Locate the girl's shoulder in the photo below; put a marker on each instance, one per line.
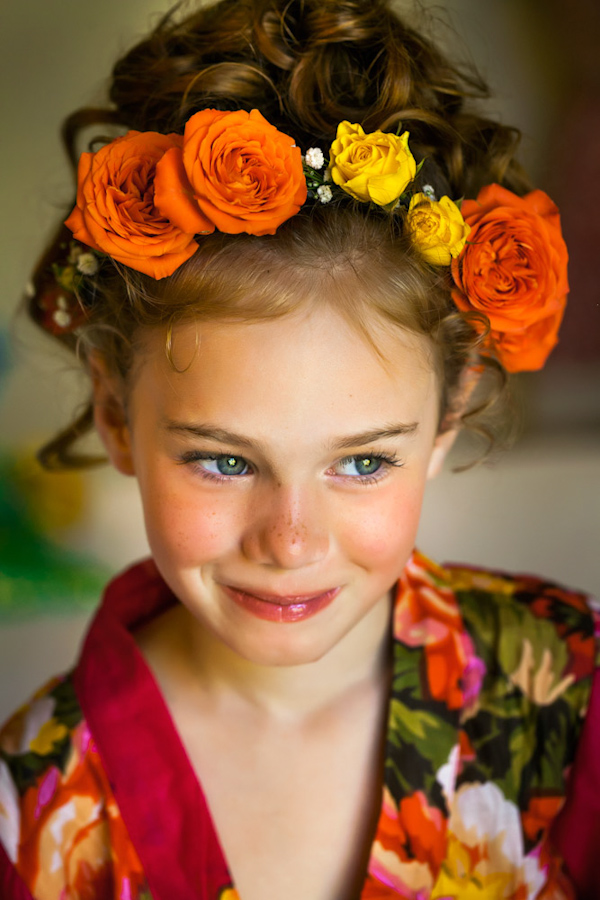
(542, 635)
(495, 695)
(58, 817)
(518, 622)
(505, 663)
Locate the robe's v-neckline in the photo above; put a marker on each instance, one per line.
(156, 788)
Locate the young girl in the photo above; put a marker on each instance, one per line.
(287, 316)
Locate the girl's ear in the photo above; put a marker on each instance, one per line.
(110, 417)
(441, 447)
(452, 424)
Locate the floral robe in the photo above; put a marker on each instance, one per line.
(492, 680)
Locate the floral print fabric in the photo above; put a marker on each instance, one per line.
(491, 680)
(59, 822)
(492, 677)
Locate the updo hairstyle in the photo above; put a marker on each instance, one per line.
(306, 65)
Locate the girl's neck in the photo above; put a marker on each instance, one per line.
(184, 655)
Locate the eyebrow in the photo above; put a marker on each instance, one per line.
(224, 436)
(377, 434)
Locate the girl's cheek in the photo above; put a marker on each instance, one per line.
(189, 526)
(381, 531)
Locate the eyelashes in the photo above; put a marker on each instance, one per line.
(217, 467)
(369, 467)
(362, 468)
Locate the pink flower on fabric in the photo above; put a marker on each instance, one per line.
(473, 672)
(83, 738)
(47, 789)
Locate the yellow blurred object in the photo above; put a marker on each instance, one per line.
(54, 500)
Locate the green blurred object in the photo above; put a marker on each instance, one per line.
(38, 575)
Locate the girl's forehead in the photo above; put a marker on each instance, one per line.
(308, 373)
(313, 331)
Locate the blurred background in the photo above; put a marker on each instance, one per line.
(536, 509)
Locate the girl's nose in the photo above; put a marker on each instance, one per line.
(287, 529)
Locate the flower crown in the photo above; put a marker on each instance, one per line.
(145, 199)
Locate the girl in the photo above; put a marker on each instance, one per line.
(287, 317)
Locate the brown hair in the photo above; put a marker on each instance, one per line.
(306, 65)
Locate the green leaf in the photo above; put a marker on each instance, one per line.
(521, 748)
(67, 710)
(495, 620)
(433, 736)
(407, 679)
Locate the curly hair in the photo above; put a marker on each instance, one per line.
(306, 65)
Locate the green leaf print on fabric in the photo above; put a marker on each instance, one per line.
(47, 731)
(67, 709)
(513, 641)
(421, 742)
(407, 678)
(528, 711)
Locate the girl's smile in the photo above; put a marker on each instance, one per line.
(282, 466)
(276, 608)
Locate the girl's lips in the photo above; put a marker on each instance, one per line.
(275, 608)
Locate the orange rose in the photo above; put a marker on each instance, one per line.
(116, 211)
(527, 350)
(236, 172)
(514, 270)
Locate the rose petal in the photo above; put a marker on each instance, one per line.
(174, 197)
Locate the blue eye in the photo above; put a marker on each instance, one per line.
(363, 465)
(225, 465)
(217, 467)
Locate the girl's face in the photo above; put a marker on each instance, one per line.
(281, 471)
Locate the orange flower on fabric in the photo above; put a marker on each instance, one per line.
(428, 616)
(73, 816)
(514, 270)
(539, 815)
(414, 831)
(408, 850)
(116, 212)
(235, 172)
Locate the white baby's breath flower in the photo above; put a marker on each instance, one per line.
(324, 193)
(428, 191)
(61, 318)
(314, 158)
(87, 264)
(327, 175)
(75, 251)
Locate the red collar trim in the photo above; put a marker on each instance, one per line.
(156, 789)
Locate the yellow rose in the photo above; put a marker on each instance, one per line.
(375, 167)
(437, 228)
